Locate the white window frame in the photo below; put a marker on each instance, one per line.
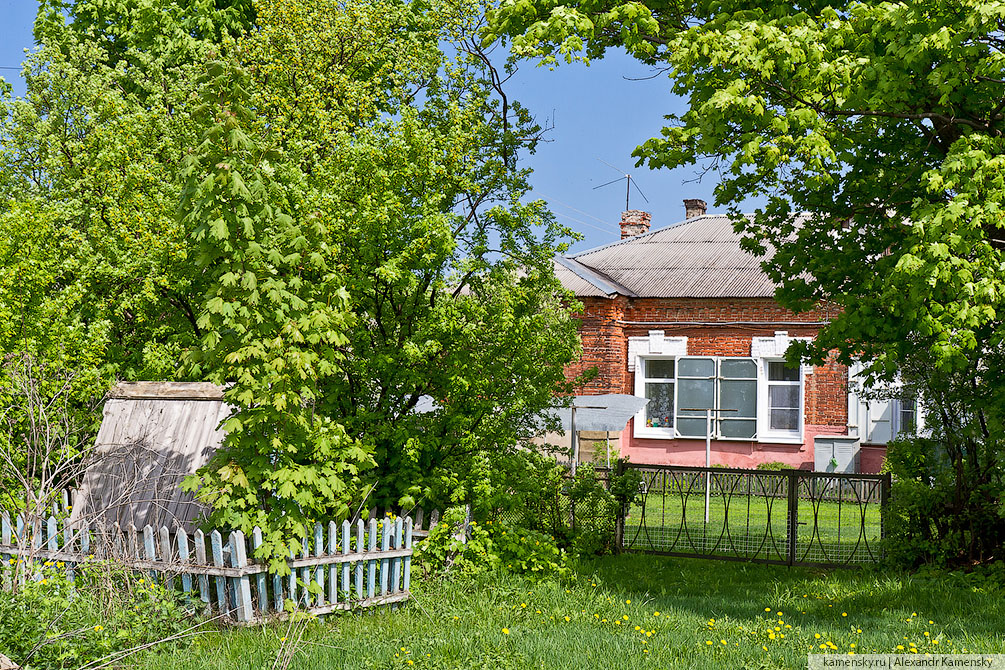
(764, 431)
(640, 429)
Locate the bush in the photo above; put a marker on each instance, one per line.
(774, 465)
(56, 623)
(477, 548)
(939, 514)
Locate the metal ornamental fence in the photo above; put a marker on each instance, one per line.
(786, 517)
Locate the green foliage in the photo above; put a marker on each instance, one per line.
(458, 545)
(55, 623)
(319, 207)
(934, 520)
(774, 465)
(274, 323)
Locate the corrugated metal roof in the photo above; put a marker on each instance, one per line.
(696, 258)
(584, 281)
(152, 435)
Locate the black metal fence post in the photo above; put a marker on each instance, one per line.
(793, 514)
(619, 519)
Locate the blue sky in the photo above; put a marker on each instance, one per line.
(599, 113)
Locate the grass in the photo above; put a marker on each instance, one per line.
(629, 612)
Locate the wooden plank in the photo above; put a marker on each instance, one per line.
(149, 548)
(319, 572)
(181, 537)
(407, 577)
(242, 585)
(371, 568)
(200, 558)
(5, 557)
(216, 547)
(306, 574)
(386, 529)
(132, 544)
(261, 582)
(434, 518)
(346, 549)
(419, 513)
(396, 562)
(293, 578)
(167, 556)
(359, 564)
(167, 390)
(332, 569)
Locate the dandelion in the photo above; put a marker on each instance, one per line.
(816, 635)
(722, 641)
(764, 648)
(568, 619)
(771, 636)
(98, 629)
(282, 639)
(778, 614)
(628, 602)
(708, 642)
(767, 609)
(900, 647)
(625, 617)
(656, 613)
(844, 614)
(410, 662)
(505, 631)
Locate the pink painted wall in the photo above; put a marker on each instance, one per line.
(731, 453)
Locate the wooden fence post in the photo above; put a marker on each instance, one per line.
(319, 571)
(166, 556)
(200, 558)
(407, 577)
(371, 571)
(261, 585)
(396, 563)
(184, 559)
(242, 584)
(216, 546)
(332, 569)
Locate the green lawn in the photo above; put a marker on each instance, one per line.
(632, 612)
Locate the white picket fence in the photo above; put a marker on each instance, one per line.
(354, 565)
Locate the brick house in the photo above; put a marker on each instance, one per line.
(684, 317)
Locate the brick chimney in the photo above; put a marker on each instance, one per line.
(694, 207)
(634, 222)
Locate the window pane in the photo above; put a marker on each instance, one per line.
(737, 428)
(738, 368)
(783, 396)
(696, 367)
(738, 395)
(691, 427)
(657, 369)
(659, 411)
(695, 394)
(781, 372)
(784, 419)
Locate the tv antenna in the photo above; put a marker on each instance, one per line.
(628, 187)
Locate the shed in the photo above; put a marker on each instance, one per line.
(152, 435)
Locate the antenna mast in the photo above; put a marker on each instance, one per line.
(628, 186)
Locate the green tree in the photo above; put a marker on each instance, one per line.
(881, 125)
(322, 212)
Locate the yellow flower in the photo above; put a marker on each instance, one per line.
(505, 631)
(656, 613)
(844, 614)
(99, 628)
(722, 641)
(567, 619)
(625, 617)
(282, 639)
(628, 602)
(410, 662)
(708, 642)
(767, 609)
(900, 647)
(816, 635)
(764, 648)
(771, 636)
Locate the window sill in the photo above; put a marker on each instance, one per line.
(786, 438)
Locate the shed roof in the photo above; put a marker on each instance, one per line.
(696, 258)
(152, 435)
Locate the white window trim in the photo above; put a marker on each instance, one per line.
(640, 428)
(763, 435)
(764, 432)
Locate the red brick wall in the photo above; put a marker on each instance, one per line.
(608, 323)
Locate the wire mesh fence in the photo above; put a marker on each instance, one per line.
(785, 516)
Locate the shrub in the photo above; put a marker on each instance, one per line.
(57, 623)
(774, 465)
